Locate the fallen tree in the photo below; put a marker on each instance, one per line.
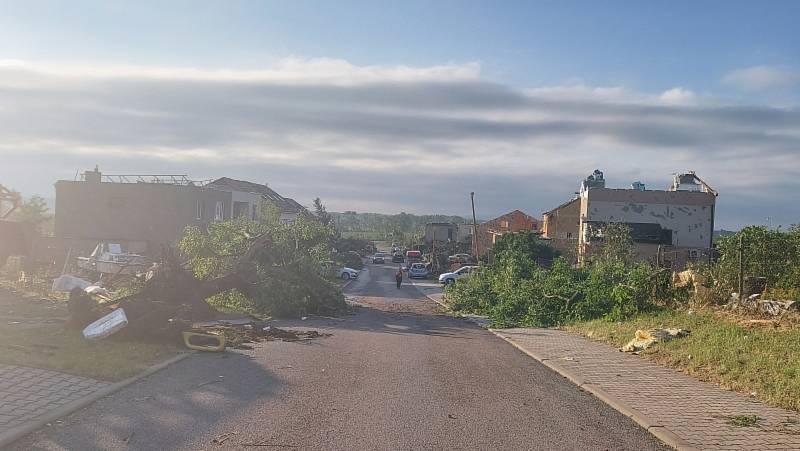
(265, 268)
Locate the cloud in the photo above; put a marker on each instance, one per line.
(287, 70)
(612, 94)
(762, 78)
(678, 96)
(387, 137)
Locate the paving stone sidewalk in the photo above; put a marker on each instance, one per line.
(668, 403)
(28, 393)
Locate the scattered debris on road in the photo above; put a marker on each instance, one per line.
(237, 336)
(644, 339)
(220, 439)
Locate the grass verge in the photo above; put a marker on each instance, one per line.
(32, 333)
(66, 350)
(759, 361)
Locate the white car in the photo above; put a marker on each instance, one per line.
(348, 273)
(451, 277)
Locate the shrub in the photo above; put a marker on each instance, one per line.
(515, 290)
(773, 254)
(351, 260)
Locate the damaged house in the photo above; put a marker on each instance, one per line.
(144, 212)
(512, 222)
(670, 227)
(447, 232)
(248, 197)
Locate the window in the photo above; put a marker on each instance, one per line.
(569, 235)
(218, 211)
(241, 209)
(199, 210)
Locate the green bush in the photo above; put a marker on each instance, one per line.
(774, 254)
(515, 290)
(351, 260)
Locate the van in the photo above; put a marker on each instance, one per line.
(413, 256)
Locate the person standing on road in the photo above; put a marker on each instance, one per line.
(399, 276)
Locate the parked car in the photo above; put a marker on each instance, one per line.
(379, 258)
(418, 271)
(398, 258)
(459, 258)
(348, 273)
(414, 256)
(451, 277)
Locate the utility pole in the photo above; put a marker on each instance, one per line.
(741, 267)
(474, 225)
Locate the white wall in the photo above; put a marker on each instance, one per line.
(690, 224)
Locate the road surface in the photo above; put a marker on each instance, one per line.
(397, 374)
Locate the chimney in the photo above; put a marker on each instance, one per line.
(93, 176)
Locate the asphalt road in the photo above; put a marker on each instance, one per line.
(395, 375)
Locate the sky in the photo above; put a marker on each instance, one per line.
(409, 106)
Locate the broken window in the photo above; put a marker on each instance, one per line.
(648, 233)
(240, 209)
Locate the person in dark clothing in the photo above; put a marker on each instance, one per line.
(399, 277)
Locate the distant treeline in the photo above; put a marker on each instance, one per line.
(350, 221)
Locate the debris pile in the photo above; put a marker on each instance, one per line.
(695, 281)
(754, 304)
(238, 336)
(644, 339)
(169, 303)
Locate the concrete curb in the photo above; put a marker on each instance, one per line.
(659, 431)
(14, 434)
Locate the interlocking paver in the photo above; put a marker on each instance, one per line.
(28, 393)
(695, 411)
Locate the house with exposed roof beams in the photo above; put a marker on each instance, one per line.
(247, 199)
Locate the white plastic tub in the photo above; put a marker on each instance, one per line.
(106, 326)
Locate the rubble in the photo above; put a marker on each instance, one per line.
(238, 336)
(67, 283)
(644, 339)
(172, 300)
(755, 304)
(694, 280)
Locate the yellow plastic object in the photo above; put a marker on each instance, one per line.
(187, 340)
